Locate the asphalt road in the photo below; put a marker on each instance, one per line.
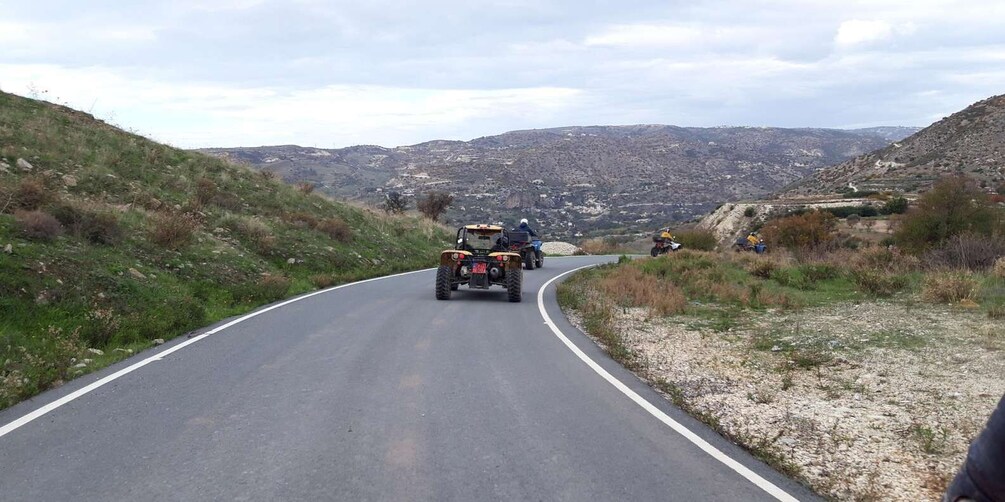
(374, 391)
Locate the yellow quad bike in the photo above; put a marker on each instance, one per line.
(481, 259)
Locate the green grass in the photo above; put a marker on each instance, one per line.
(63, 296)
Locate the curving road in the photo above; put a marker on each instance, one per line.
(375, 391)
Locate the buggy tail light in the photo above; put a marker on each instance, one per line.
(454, 256)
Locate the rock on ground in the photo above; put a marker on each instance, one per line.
(559, 248)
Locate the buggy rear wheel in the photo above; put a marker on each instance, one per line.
(528, 261)
(443, 282)
(655, 251)
(514, 285)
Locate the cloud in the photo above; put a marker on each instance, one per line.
(338, 72)
(856, 32)
(645, 35)
(334, 114)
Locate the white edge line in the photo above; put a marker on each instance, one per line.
(714, 452)
(20, 422)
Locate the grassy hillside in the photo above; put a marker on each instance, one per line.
(110, 241)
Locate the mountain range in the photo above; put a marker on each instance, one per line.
(574, 180)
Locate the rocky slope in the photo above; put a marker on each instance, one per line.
(575, 180)
(970, 142)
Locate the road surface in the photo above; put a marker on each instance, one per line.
(375, 391)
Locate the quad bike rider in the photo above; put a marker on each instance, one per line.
(752, 242)
(663, 243)
(482, 258)
(524, 240)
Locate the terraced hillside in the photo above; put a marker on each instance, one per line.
(575, 179)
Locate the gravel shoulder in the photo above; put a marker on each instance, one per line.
(885, 411)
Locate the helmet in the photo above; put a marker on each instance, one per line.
(523, 221)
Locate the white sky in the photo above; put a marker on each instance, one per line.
(335, 73)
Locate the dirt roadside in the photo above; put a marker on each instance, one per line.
(886, 413)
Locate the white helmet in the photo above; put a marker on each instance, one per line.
(523, 221)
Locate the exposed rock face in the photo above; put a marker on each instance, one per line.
(970, 142)
(730, 221)
(573, 179)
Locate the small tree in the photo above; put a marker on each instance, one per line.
(896, 205)
(434, 204)
(953, 206)
(395, 203)
(801, 231)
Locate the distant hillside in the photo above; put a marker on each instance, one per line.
(888, 133)
(970, 142)
(110, 242)
(574, 179)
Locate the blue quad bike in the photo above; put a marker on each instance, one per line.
(528, 247)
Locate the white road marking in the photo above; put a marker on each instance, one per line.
(20, 422)
(751, 476)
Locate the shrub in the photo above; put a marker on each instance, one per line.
(791, 277)
(949, 287)
(846, 211)
(394, 203)
(999, 268)
(32, 193)
(819, 271)
(205, 191)
(268, 175)
(878, 283)
(967, 251)
(305, 187)
(301, 219)
(853, 219)
(896, 205)
(227, 200)
(322, 281)
(801, 231)
(749, 212)
(761, 267)
(37, 225)
(91, 224)
(702, 240)
(269, 288)
(336, 228)
(252, 230)
(434, 204)
(600, 246)
(172, 230)
(884, 259)
(953, 206)
(996, 311)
